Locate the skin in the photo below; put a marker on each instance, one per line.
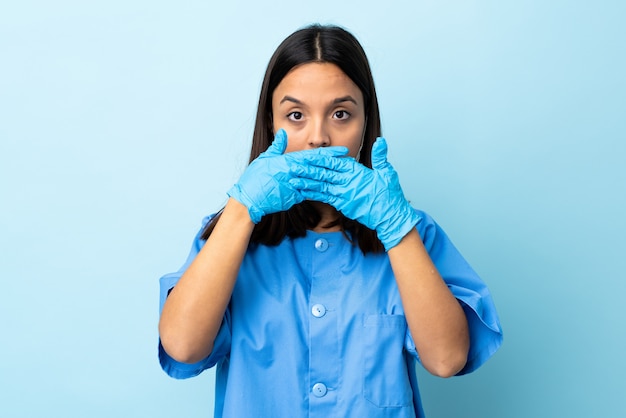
(317, 105)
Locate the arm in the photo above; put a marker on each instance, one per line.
(436, 320)
(193, 312)
(374, 198)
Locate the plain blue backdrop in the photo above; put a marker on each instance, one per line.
(123, 123)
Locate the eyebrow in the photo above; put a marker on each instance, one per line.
(336, 101)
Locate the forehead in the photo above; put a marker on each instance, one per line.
(318, 79)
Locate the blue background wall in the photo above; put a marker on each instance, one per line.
(122, 123)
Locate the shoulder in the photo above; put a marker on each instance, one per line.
(433, 236)
(425, 217)
(427, 223)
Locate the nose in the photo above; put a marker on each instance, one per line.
(318, 136)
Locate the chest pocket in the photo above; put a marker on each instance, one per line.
(385, 377)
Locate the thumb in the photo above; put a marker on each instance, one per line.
(379, 153)
(279, 145)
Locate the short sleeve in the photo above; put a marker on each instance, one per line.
(221, 345)
(474, 296)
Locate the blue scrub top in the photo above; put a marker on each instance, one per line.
(315, 328)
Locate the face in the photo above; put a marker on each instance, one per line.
(319, 106)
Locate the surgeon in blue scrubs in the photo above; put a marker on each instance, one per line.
(318, 287)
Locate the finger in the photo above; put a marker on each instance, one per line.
(318, 196)
(338, 164)
(321, 174)
(279, 145)
(335, 151)
(379, 153)
(311, 185)
(325, 152)
(320, 191)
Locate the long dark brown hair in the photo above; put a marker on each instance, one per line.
(323, 44)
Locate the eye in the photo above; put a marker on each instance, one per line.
(295, 116)
(341, 115)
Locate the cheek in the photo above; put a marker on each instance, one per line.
(352, 141)
(349, 137)
(295, 140)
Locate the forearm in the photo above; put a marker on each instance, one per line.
(194, 310)
(436, 319)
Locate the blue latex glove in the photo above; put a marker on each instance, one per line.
(372, 197)
(264, 186)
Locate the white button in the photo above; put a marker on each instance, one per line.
(318, 310)
(319, 390)
(321, 245)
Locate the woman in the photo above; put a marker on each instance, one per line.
(317, 287)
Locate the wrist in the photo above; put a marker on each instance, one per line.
(238, 211)
(392, 232)
(237, 194)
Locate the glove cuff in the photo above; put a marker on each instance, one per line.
(392, 234)
(240, 196)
